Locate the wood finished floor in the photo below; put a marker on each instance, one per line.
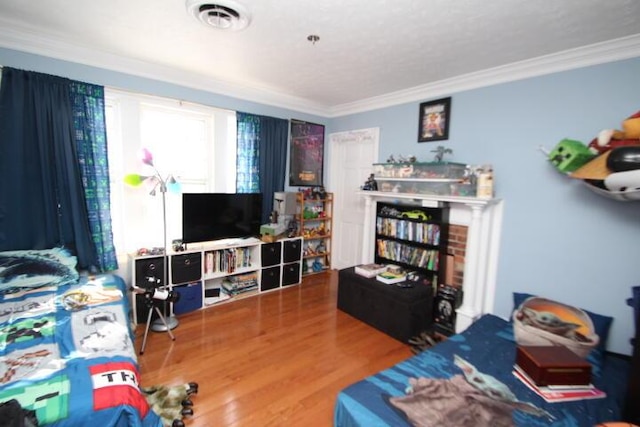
(276, 359)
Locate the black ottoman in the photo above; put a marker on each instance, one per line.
(399, 312)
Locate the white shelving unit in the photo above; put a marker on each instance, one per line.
(214, 272)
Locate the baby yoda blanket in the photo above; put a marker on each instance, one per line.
(467, 380)
(66, 350)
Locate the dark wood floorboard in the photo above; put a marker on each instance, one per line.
(278, 358)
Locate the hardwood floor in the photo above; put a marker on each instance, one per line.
(279, 358)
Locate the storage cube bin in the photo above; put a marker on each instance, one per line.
(190, 298)
(441, 187)
(427, 170)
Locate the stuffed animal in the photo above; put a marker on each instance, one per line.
(171, 403)
(611, 138)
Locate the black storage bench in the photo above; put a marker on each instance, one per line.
(399, 312)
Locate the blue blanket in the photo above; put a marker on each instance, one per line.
(66, 351)
(489, 346)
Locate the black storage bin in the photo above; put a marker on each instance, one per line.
(142, 310)
(270, 254)
(399, 312)
(186, 268)
(270, 278)
(291, 274)
(292, 250)
(149, 272)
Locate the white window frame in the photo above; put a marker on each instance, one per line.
(137, 216)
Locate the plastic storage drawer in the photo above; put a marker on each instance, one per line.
(190, 298)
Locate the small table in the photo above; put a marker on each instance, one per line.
(399, 312)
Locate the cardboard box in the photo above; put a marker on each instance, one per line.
(553, 365)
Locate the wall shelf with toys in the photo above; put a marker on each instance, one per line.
(314, 214)
(609, 165)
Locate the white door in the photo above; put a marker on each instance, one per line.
(351, 155)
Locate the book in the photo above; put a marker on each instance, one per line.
(555, 394)
(391, 278)
(370, 270)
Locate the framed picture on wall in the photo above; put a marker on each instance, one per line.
(434, 119)
(307, 154)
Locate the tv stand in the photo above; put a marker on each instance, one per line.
(219, 271)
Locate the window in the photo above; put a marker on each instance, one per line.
(194, 143)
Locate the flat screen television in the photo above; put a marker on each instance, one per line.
(214, 216)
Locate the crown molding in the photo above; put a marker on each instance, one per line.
(599, 53)
(30, 42)
(614, 50)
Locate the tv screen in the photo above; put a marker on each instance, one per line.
(214, 216)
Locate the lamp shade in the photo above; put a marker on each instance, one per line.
(134, 179)
(146, 157)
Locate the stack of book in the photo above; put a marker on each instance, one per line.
(370, 270)
(392, 276)
(559, 393)
(555, 373)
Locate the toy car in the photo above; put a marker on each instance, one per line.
(415, 214)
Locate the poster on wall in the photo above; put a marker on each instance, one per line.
(307, 153)
(435, 116)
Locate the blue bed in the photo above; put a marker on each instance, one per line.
(490, 347)
(66, 349)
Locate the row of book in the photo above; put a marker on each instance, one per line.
(407, 254)
(408, 230)
(226, 260)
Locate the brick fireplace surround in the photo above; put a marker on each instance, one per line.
(474, 240)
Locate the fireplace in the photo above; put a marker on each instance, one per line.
(477, 220)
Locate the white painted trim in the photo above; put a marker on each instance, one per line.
(483, 218)
(599, 53)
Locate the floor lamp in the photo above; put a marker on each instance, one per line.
(158, 183)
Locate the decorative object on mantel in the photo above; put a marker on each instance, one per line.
(431, 178)
(440, 152)
(609, 165)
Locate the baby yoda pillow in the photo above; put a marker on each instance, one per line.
(540, 321)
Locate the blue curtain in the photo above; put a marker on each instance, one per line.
(261, 157)
(91, 143)
(248, 139)
(42, 196)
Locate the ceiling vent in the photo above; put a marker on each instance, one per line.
(223, 14)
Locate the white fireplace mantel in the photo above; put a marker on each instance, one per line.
(483, 217)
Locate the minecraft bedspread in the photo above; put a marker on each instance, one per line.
(66, 351)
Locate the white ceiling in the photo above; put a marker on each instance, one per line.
(370, 52)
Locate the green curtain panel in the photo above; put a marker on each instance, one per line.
(261, 157)
(91, 143)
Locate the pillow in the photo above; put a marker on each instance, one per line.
(36, 268)
(601, 325)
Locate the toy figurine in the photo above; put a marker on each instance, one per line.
(440, 152)
(370, 184)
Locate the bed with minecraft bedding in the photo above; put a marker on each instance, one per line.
(467, 380)
(66, 347)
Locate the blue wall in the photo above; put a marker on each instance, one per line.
(559, 239)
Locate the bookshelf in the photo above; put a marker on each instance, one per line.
(314, 216)
(414, 237)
